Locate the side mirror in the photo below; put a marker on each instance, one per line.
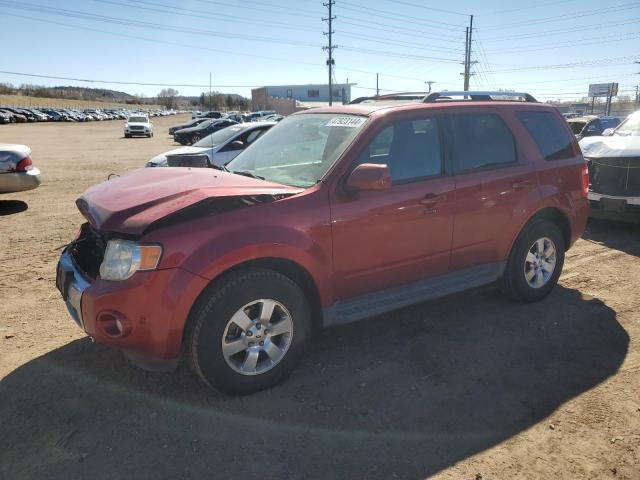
(608, 132)
(369, 176)
(236, 145)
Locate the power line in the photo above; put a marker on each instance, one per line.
(197, 13)
(562, 31)
(531, 7)
(149, 25)
(562, 18)
(585, 63)
(552, 46)
(199, 47)
(121, 82)
(428, 8)
(387, 15)
(409, 32)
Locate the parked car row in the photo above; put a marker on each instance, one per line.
(205, 123)
(261, 115)
(23, 115)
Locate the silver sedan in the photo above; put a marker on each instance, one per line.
(17, 172)
(216, 149)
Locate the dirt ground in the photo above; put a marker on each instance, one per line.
(467, 387)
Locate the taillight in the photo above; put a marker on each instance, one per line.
(585, 181)
(24, 165)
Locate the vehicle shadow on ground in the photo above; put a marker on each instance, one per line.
(406, 394)
(617, 235)
(9, 207)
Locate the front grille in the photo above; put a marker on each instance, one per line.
(87, 251)
(619, 176)
(136, 127)
(187, 160)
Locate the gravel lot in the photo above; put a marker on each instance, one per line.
(468, 387)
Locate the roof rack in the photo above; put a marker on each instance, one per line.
(479, 96)
(400, 96)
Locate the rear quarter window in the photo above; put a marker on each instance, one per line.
(549, 134)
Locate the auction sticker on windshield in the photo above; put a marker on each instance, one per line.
(352, 122)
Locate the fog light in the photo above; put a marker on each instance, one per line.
(114, 324)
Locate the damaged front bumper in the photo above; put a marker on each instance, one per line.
(71, 284)
(144, 316)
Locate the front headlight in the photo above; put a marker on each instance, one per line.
(123, 258)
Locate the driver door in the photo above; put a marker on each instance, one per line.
(387, 238)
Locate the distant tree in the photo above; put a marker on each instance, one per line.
(167, 97)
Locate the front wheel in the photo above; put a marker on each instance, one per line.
(535, 262)
(249, 333)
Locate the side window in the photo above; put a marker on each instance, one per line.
(253, 135)
(411, 149)
(482, 141)
(549, 134)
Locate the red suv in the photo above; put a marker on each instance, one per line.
(334, 215)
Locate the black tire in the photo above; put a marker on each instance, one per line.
(215, 308)
(514, 283)
(127, 135)
(194, 138)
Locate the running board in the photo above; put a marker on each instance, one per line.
(372, 304)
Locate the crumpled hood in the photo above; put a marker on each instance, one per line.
(130, 203)
(613, 146)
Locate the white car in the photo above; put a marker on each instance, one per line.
(17, 172)
(614, 171)
(138, 125)
(216, 149)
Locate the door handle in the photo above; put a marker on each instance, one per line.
(430, 199)
(520, 184)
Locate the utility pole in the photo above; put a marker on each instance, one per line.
(377, 87)
(429, 82)
(210, 91)
(330, 47)
(467, 56)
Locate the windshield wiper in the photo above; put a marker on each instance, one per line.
(247, 173)
(219, 167)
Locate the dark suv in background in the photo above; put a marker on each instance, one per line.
(334, 215)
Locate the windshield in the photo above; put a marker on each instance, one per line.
(137, 120)
(630, 127)
(219, 137)
(576, 127)
(300, 149)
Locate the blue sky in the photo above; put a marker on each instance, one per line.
(550, 49)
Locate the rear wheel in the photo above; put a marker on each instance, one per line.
(249, 333)
(195, 138)
(535, 262)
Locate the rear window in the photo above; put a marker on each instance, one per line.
(549, 134)
(483, 141)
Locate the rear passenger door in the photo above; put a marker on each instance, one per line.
(493, 180)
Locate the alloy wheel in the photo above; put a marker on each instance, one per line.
(540, 262)
(257, 337)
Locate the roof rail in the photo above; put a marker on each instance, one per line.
(479, 96)
(400, 96)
